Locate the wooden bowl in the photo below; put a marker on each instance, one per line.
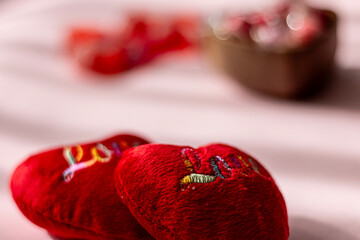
(288, 74)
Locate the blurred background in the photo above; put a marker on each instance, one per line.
(311, 146)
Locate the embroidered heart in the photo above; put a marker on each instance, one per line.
(70, 191)
(213, 192)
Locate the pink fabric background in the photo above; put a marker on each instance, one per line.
(312, 148)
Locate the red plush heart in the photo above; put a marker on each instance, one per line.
(213, 192)
(70, 191)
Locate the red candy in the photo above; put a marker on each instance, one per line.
(141, 41)
(286, 26)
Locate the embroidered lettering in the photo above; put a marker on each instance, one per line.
(220, 167)
(105, 156)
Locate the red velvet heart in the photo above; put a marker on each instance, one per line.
(70, 191)
(213, 192)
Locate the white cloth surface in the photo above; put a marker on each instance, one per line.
(312, 147)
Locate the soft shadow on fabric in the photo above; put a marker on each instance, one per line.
(308, 229)
(343, 92)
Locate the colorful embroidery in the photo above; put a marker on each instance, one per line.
(216, 161)
(96, 156)
(255, 167)
(196, 178)
(235, 161)
(80, 153)
(68, 156)
(116, 149)
(187, 161)
(75, 164)
(240, 164)
(243, 160)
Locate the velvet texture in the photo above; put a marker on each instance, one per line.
(77, 204)
(213, 192)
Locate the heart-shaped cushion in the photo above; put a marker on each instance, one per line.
(213, 192)
(70, 191)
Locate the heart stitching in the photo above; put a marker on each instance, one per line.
(245, 168)
(75, 164)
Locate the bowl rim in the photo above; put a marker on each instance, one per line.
(330, 29)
